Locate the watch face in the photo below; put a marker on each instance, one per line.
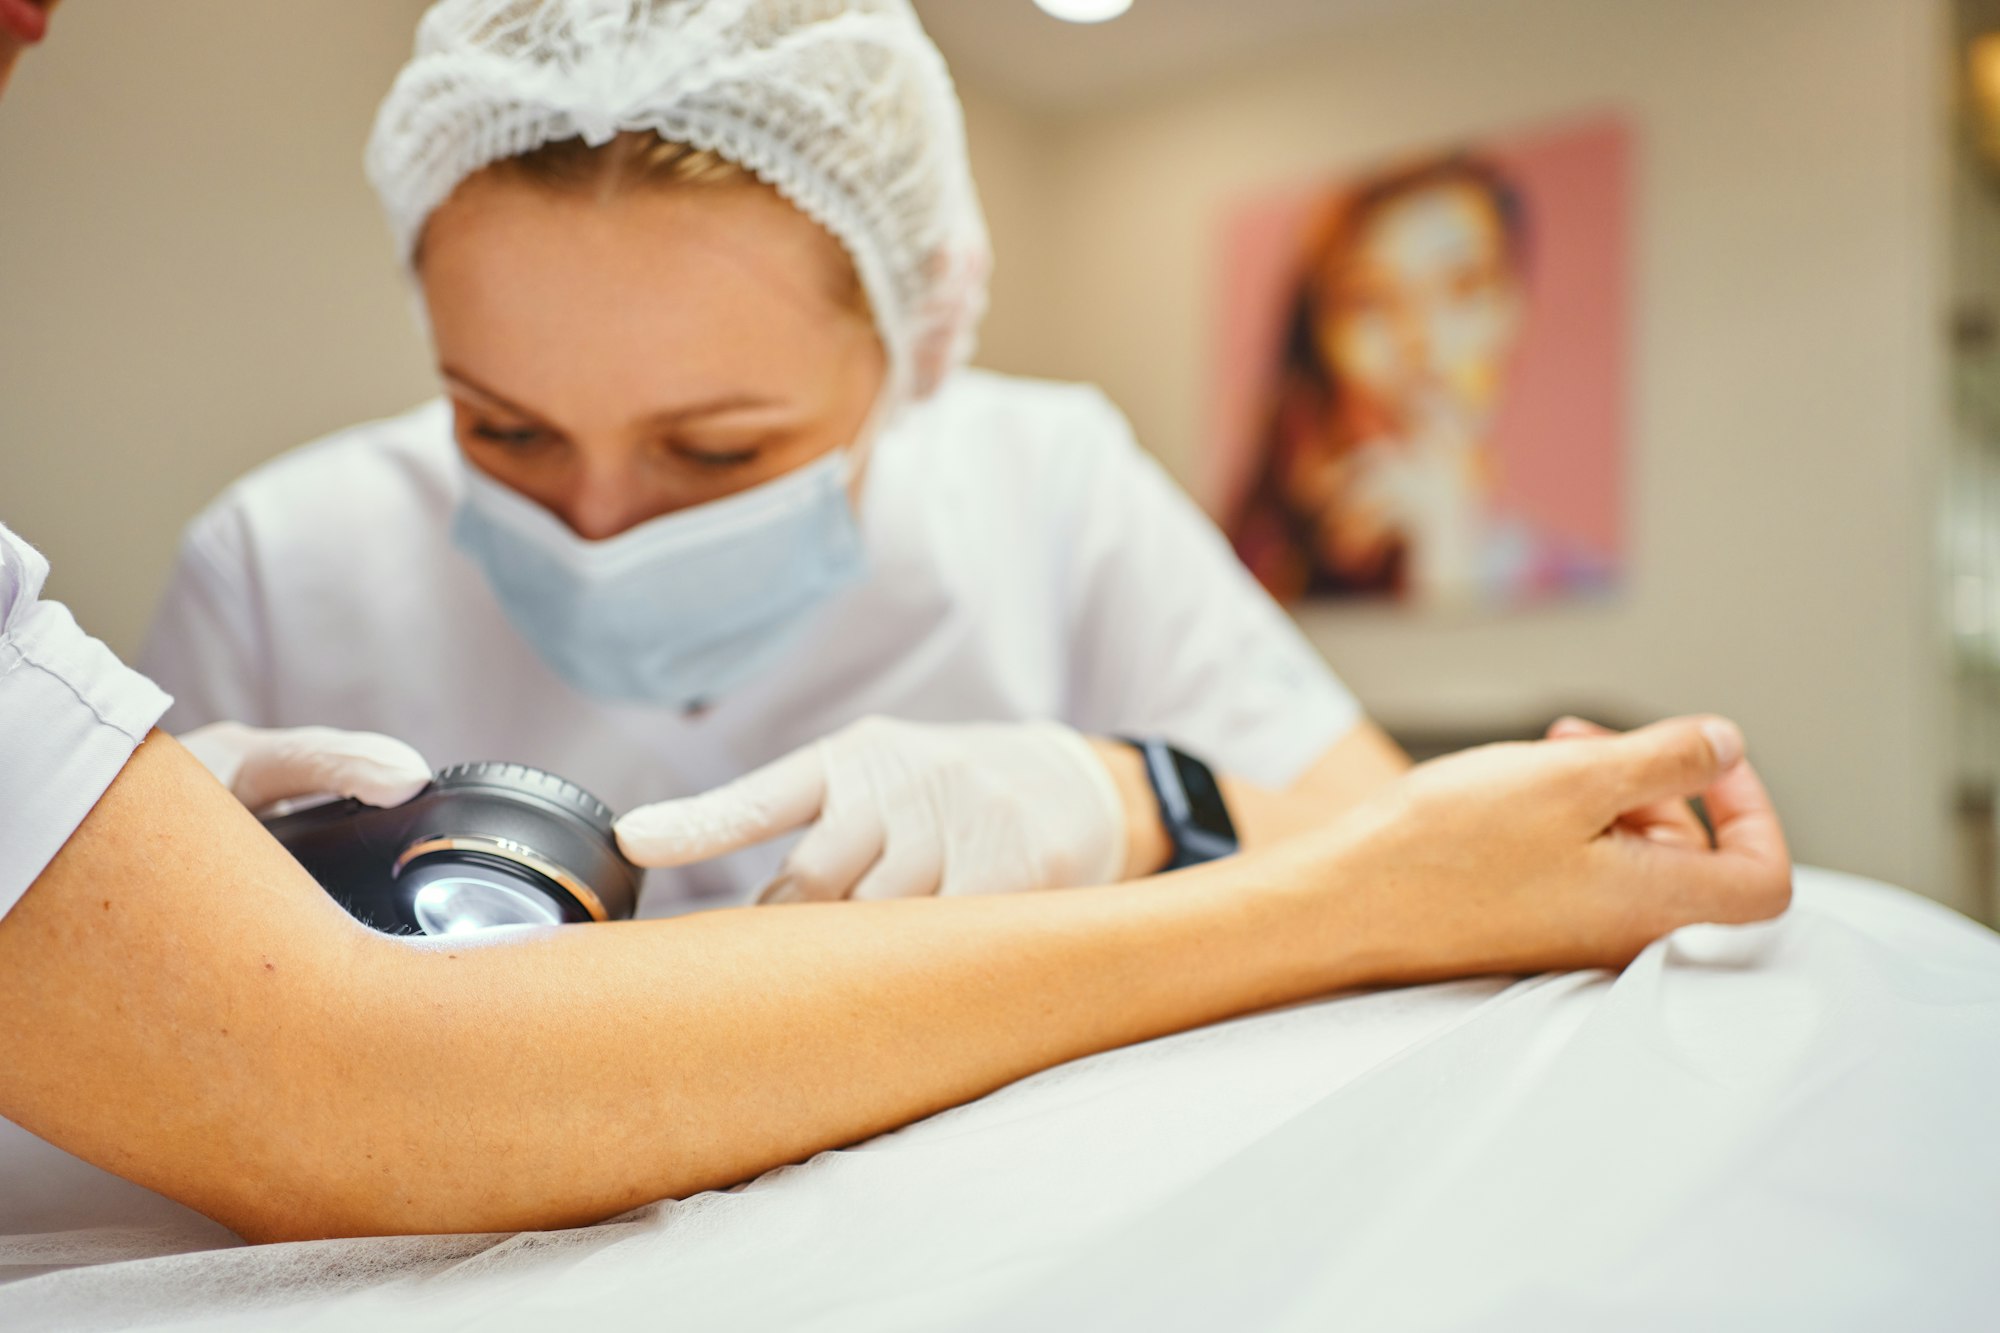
(1206, 810)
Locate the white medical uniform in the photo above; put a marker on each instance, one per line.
(70, 716)
(1026, 560)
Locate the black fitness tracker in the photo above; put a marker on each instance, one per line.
(1191, 805)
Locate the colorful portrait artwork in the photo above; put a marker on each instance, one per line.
(1422, 392)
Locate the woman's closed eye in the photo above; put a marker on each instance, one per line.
(716, 457)
(519, 438)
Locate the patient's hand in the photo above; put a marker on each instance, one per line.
(1572, 852)
(1665, 821)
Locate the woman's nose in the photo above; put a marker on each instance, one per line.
(606, 502)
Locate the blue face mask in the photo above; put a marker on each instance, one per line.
(681, 609)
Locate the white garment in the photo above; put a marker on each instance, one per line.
(1026, 560)
(70, 716)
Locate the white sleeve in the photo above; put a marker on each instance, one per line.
(206, 645)
(1172, 636)
(70, 716)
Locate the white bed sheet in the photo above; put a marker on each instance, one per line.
(1794, 1125)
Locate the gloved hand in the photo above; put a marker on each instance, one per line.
(900, 809)
(261, 766)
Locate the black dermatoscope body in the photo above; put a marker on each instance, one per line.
(485, 844)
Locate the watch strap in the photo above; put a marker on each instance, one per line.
(1192, 809)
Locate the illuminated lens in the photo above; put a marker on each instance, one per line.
(459, 903)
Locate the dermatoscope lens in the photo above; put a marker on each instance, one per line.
(454, 900)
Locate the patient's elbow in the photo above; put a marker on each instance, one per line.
(362, 1204)
(264, 1225)
(316, 1196)
(425, 1211)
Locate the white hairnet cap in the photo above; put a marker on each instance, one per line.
(843, 106)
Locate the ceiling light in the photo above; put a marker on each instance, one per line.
(1084, 11)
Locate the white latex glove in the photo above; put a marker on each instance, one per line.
(261, 766)
(900, 809)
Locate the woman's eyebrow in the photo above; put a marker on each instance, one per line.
(461, 380)
(734, 402)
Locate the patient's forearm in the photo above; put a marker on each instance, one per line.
(180, 1004)
(1352, 769)
(613, 1066)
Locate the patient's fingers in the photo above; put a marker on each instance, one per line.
(1670, 821)
(1667, 760)
(1746, 823)
(1746, 877)
(1569, 727)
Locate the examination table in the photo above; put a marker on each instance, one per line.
(1788, 1125)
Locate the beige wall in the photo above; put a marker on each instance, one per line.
(1011, 160)
(1787, 386)
(192, 277)
(193, 274)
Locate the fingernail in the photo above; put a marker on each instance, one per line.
(1725, 740)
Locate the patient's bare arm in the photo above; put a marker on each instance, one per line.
(182, 1005)
(1352, 769)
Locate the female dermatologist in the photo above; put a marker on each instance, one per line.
(712, 494)
(181, 1004)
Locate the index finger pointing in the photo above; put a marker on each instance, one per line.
(774, 799)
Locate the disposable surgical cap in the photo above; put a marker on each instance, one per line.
(843, 106)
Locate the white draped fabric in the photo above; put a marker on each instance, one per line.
(1793, 1125)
